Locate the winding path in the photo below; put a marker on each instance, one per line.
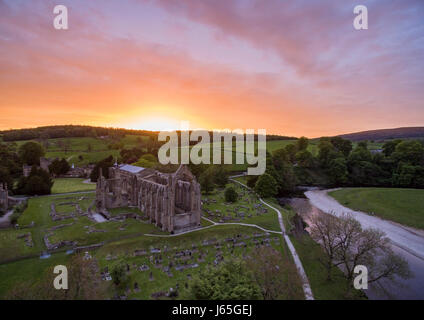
(306, 286)
(5, 219)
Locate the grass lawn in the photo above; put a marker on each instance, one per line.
(215, 208)
(405, 206)
(65, 185)
(309, 253)
(28, 270)
(122, 251)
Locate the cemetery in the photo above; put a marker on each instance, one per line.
(158, 265)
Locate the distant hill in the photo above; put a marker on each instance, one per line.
(386, 134)
(77, 131)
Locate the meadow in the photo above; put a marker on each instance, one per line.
(66, 185)
(404, 206)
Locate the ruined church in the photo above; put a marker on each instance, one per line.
(172, 201)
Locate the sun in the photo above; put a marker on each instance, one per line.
(155, 123)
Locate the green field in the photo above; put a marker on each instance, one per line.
(405, 206)
(310, 254)
(250, 210)
(65, 185)
(85, 150)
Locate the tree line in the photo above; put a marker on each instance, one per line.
(400, 163)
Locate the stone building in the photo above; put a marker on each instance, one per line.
(44, 164)
(172, 201)
(4, 197)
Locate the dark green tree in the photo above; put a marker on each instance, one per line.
(302, 144)
(390, 146)
(338, 171)
(230, 280)
(410, 151)
(104, 164)
(207, 180)
(221, 176)
(230, 194)
(37, 183)
(266, 186)
(31, 152)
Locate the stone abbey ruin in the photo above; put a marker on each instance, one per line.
(172, 201)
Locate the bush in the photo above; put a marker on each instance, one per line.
(266, 186)
(230, 280)
(119, 275)
(251, 181)
(59, 167)
(37, 183)
(230, 194)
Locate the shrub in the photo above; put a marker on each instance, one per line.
(266, 186)
(230, 194)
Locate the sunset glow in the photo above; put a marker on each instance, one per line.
(291, 69)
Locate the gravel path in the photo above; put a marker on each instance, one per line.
(403, 237)
(5, 218)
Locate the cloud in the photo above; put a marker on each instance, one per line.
(96, 73)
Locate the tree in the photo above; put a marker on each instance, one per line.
(279, 158)
(206, 180)
(230, 280)
(291, 151)
(342, 145)
(408, 176)
(327, 153)
(347, 244)
(37, 183)
(230, 194)
(119, 275)
(251, 181)
(390, 146)
(305, 159)
(410, 151)
(104, 164)
(266, 186)
(302, 144)
(221, 176)
(360, 153)
(338, 171)
(5, 177)
(131, 155)
(59, 167)
(276, 275)
(370, 248)
(324, 230)
(31, 152)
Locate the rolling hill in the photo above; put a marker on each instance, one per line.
(386, 134)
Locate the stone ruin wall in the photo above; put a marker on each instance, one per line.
(169, 202)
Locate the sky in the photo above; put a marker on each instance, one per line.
(292, 67)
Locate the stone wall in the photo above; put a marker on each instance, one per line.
(170, 201)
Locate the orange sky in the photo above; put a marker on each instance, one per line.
(150, 64)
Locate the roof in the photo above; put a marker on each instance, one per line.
(130, 168)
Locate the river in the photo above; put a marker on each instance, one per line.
(412, 288)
